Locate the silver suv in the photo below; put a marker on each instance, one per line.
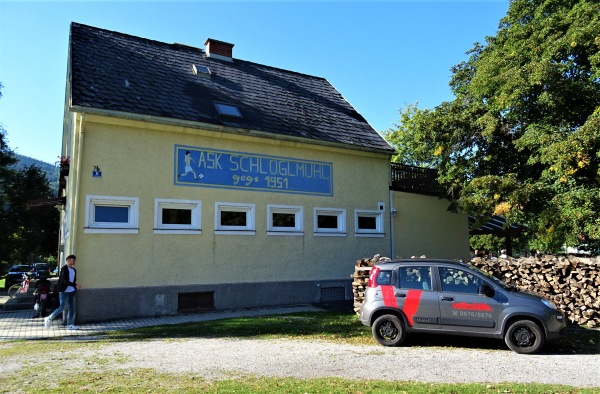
(449, 297)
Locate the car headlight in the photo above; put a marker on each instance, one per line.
(550, 304)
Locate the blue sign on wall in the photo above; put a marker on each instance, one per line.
(196, 166)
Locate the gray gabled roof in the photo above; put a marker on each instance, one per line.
(116, 72)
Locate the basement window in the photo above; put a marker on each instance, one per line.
(194, 302)
(228, 110)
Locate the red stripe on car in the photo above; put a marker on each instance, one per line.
(411, 305)
(389, 296)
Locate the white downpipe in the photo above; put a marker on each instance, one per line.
(392, 210)
(77, 182)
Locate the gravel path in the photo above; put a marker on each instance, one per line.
(217, 358)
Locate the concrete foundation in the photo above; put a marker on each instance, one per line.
(109, 304)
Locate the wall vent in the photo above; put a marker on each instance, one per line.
(335, 293)
(194, 302)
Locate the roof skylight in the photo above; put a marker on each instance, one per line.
(228, 110)
(202, 70)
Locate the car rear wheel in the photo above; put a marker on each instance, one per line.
(524, 337)
(388, 330)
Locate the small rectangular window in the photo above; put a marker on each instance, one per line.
(200, 70)
(108, 214)
(177, 216)
(330, 222)
(228, 110)
(282, 220)
(234, 218)
(368, 223)
(111, 214)
(285, 220)
(327, 221)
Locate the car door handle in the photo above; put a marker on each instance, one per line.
(447, 299)
(400, 295)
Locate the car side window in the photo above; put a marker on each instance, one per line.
(459, 281)
(415, 278)
(384, 278)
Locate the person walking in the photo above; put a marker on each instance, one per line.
(67, 287)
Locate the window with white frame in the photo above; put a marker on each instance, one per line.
(234, 218)
(330, 222)
(108, 214)
(368, 223)
(177, 216)
(285, 220)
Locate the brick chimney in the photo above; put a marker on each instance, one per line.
(219, 49)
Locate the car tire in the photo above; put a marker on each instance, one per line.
(388, 330)
(524, 337)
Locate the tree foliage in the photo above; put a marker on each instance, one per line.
(522, 136)
(7, 158)
(24, 233)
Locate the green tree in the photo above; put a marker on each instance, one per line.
(24, 234)
(7, 159)
(33, 232)
(522, 136)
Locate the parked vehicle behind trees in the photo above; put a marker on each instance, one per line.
(15, 274)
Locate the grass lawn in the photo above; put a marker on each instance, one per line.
(40, 375)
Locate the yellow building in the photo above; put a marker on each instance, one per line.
(194, 180)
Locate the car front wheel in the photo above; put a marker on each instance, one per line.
(388, 330)
(524, 337)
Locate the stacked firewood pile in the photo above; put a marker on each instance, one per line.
(572, 283)
(360, 278)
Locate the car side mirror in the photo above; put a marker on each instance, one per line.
(486, 290)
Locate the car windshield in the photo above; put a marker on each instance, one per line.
(491, 277)
(19, 268)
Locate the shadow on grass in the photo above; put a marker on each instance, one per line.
(577, 340)
(316, 325)
(343, 327)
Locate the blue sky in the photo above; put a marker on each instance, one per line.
(381, 56)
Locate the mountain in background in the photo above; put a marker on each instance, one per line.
(50, 170)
